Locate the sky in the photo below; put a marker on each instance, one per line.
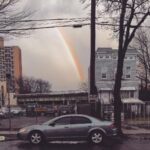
(60, 56)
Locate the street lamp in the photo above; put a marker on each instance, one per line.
(8, 78)
(77, 26)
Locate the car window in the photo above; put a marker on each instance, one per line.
(80, 120)
(63, 121)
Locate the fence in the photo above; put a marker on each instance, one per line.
(132, 114)
(138, 114)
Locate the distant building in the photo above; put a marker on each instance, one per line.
(105, 70)
(10, 68)
(53, 98)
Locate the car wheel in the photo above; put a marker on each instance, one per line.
(36, 137)
(96, 137)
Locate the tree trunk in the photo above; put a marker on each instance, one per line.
(117, 97)
(121, 55)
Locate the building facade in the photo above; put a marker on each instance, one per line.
(105, 71)
(57, 98)
(10, 69)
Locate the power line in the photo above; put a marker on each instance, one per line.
(57, 26)
(43, 20)
(57, 19)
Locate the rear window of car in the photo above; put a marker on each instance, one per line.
(80, 120)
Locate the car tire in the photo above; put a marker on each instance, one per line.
(36, 138)
(96, 137)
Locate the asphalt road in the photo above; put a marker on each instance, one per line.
(127, 144)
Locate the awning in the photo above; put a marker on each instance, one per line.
(105, 89)
(122, 89)
(128, 89)
(132, 101)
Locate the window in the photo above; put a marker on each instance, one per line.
(128, 76)
(63, 121)
(104, 76)
(101, 56)
(80, 120)
(114, 57)
(128, 68)
(127, 94)
(131, 57)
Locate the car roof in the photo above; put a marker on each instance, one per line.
(78, 115)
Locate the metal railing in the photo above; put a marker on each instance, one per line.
(132, 114)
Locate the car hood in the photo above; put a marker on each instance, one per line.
(32, 127)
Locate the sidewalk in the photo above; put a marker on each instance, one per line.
(8, 135)
(135, 131)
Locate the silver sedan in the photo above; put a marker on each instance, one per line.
(69, 127)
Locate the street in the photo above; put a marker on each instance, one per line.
(126, 144)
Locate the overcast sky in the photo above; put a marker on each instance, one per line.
(43, 52)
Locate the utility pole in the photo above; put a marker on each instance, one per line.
(8, 77)
(92, 90)
(92, 59)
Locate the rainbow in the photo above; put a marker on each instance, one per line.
(69, 49)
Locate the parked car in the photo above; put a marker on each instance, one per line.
(30, 110)
(35, 110)
(65, 109)
(69, 127)
(4, 112)
(50, 111)
(17, 111)
(2, 115)
(40, 110)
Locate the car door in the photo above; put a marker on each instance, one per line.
(79, 127)
(59, 129)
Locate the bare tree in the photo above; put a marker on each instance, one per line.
(32, 85)
(83, 86)
(11, 15)
(142, 43)
(126, 17)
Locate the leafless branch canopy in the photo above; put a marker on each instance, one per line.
(10, 15)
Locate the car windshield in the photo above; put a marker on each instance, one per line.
(49, 121)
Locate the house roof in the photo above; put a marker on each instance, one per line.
(110, 50)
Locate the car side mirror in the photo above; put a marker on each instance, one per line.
(52, 124)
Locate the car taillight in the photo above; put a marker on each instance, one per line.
(112, 125)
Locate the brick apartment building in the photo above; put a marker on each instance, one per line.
(10, 69)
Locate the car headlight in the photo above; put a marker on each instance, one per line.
(23, 130)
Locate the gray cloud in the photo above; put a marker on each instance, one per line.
(43, 53)
(55, 8)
